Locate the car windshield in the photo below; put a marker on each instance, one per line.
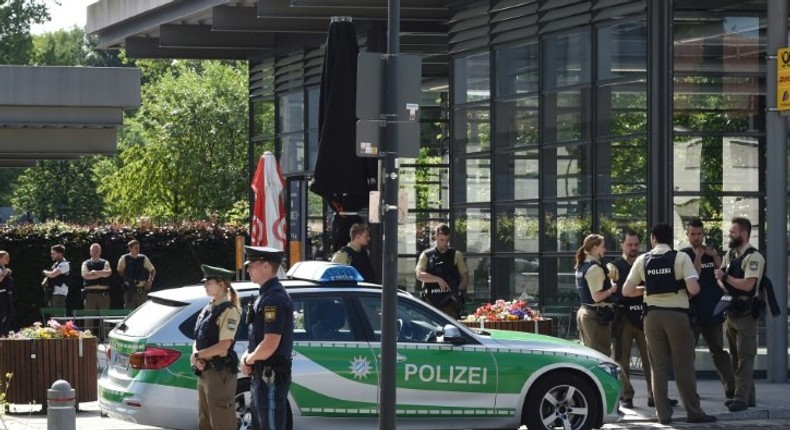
(149, 316)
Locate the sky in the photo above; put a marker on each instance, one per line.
(64, 16)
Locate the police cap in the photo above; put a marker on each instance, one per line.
(263, 253)
(211, 272)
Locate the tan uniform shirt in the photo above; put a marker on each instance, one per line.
(228, 321)
(684, 269)
(341, 257)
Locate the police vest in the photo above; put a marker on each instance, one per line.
(734, 269)
(95, 265)
(57, 280)
(281, 358)
(135, 269)
(443, 266)
(709, 292)
(660, 274)
(360, 260)
(633, 304)
(206, 328)
(583, 288)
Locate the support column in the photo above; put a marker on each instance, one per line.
(659, 105)
(776, 198)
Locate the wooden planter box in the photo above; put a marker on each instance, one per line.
(37, 363)
(537, 326)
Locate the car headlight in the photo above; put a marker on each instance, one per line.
(610, 368)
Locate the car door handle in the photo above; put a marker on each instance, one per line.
(400, 358)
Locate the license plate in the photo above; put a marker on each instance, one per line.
(120, 362)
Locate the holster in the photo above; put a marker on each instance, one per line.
(604, 315)
(757, 308)
(742, 308)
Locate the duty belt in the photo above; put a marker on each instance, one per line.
(661, 308)
(595, 307)
(93, 291)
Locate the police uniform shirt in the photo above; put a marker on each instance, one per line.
(684, 269)
(61, 289)
(228, 320)
(752, 265)
(595, 277)
(275, 309)
(341, 257)
(460, 262)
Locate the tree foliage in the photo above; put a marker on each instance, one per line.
(16, 16)
(184, 153)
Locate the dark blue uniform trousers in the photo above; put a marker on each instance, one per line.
(269, 404)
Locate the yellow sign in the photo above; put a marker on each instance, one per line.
(783, 79)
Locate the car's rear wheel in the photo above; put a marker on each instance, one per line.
(243, 414)
(561, 400)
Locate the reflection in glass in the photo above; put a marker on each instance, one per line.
(625, 52)
(567, 115)
(719, 103)
(562, 290)
(472, 229)
(416, 233)
(516, 175)
(622, 166)
(471, 78)
(472, 180)
(716, 163)
(479, 287)
(518, 228)
(472, 128)
(517, 278)
(517, 122)
(618, 213)
(292, 156)
(566, 59)
(262, 118)
(517, 69)
(566, 224)
(291, 112)
(571, 176)
(622, 108)
(719, 44)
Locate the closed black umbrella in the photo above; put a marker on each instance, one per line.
(340, 176)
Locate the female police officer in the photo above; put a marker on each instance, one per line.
(213, 357)
(594, 319)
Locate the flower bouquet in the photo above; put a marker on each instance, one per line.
(53, 330)
(509, 315)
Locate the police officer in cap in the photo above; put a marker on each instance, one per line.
(271, 324)
(669, 279)
(213, 357)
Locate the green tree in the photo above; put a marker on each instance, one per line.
(184, 153)
(16, 16)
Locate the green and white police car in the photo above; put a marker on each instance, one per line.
(449, 376)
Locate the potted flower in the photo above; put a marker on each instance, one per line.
(509, 315)
(41, 354)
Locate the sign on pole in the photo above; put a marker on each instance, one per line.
(783, 79)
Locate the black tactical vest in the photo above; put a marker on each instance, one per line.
(660, 273)
(57, 280)
(135, 269)
(360, 260)
(734, 269)
(95, 265)
(582, 286)
(709, 292)
(443, 266)
(206, 328)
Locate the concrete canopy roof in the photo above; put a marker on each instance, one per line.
(245, 29)
(62, 112)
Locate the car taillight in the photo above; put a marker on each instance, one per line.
(153, 358)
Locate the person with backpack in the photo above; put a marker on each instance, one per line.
(444, 274)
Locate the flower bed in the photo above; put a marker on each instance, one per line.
(514, 315)
(39, 355)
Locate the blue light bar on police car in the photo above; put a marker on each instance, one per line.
(323, 271)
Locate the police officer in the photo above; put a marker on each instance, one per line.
(669, 278)
(55, 278)
(443, 273)
(137, 273)
(355, 254)
(96, 274)
(627, 326)
(271, 324)
(741, 274)
(213, 357)
(706, 260)
(6, 294)
(594, 319)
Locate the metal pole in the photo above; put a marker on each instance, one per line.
(776, 198)
(389, 297)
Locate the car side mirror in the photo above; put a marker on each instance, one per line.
(453, 335)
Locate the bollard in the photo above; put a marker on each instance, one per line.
(61, 411)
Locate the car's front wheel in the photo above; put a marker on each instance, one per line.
(243, 414)
(561, 400)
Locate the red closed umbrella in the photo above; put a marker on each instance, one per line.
(268, 215)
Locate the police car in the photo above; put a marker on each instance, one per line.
(449, 376)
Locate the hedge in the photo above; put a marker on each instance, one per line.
(176, 252)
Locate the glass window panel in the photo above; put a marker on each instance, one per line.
(622, 49)
(716, 212)
(518, 228)
(622, 166)
(517, 278)
(416, 233)
(472, 127)
(479, 287)
(622, 108)
(313, 94)
(716, 163)
(263, 118)
(472, 230)
(719, 44)
(292, 157)
(567, 59)
(426, 186)
(472, 180)
(566, 224)
(407, 279)
(719, 103)
(562, 289)
(517, 122)
(471, 78)
(516, 175)
(616, 214)
(567, 115)
(571, 176)
(517, 69)
(312, 149)
(291, 112)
